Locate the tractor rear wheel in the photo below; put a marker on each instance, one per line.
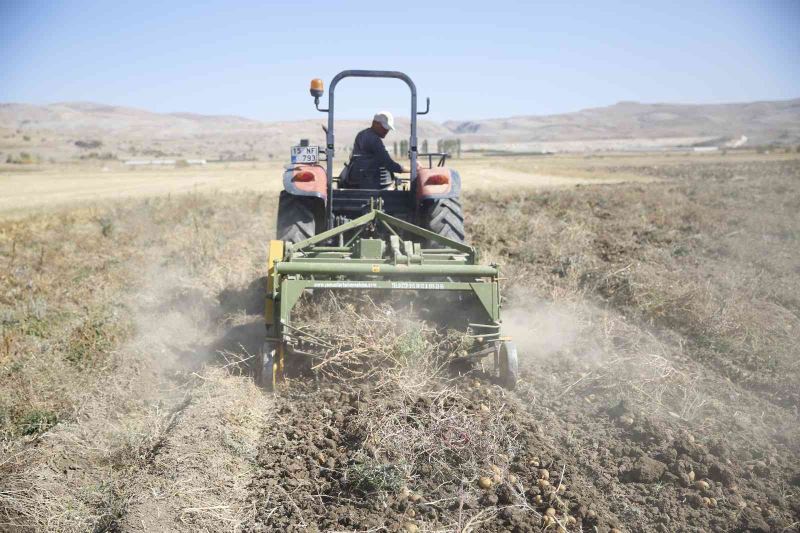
(445, 218)
(296, 217)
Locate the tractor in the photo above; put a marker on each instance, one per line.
(408, 236)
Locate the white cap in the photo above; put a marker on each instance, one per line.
(385, 119)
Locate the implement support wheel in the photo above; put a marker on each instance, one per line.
(268, 369)
(509, 365)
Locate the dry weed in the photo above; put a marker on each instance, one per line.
(356, 339)
(437, 436)
(100, 309)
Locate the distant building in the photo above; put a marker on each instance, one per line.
(164, 162)
(738, 142)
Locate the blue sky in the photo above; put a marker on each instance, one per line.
(474, 59)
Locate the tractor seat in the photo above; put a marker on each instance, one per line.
(353, 177)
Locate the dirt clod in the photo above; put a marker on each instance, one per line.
(646, 470)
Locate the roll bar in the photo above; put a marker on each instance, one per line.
(330, 134)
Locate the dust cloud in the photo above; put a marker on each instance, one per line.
(545, 330)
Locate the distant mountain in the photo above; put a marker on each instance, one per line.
(761, 122)
(52, 131)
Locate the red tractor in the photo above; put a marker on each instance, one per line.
(315, 200)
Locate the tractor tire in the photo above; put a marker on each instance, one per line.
(445, 218)
(296, 218)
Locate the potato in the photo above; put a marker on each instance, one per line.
(543, 484)
(544, 474)
(410, 527)
(512, 479)
(550, 511)
(485, 482)
(537, 499)
(701, 485)
(691, 475)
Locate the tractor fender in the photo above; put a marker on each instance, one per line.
(306, 180)
(437, 183)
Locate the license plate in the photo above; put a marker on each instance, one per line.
(305, 154)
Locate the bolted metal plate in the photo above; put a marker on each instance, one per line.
(370, 248)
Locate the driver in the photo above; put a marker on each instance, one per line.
(370, 163)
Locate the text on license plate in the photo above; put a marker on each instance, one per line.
(305, 154)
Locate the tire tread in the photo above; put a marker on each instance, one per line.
(445, 218)
(296, 220)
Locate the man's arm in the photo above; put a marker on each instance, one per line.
(382, 156)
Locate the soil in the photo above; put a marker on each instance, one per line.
(679, 483)
(304, 483)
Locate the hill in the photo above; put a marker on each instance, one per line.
(52, 131)
(760, 122)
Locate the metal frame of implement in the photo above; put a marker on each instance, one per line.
(402, 265)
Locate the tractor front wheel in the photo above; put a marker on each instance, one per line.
(444, 217)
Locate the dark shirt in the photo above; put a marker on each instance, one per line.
(368, 160)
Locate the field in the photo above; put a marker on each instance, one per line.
(45, 186)
(655, 300)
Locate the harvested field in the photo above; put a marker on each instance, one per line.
(659, 331)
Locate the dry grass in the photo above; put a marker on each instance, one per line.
(356, 339)
(674, 295)
(198, 479)
(106, 311)
(61, 315)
